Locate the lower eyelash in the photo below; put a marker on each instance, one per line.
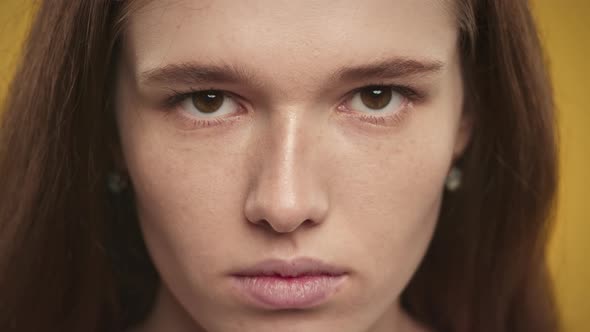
(378, 120)
(204, 123)
(411, 95)
(386, 120)
(173, 101)
(192, 123)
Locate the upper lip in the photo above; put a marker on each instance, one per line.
(291, 268)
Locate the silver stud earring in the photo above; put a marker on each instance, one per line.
(453, 181)
(116, 182)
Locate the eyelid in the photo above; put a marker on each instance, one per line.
(410, 96)
(174, 101)
(409, 92)
(176, 97)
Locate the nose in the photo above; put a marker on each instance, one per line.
(286, 192)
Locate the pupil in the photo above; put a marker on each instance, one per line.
(208, 101)
(376, 98)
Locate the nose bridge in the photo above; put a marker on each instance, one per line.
(285, 193)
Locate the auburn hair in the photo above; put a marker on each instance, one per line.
(72, 257)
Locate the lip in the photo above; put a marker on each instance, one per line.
(295, 284)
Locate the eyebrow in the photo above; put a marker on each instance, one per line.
(391, 68)
(191, 73)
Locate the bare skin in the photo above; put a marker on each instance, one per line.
(290, 155)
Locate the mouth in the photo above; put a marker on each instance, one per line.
(298, 284)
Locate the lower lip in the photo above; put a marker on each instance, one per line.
(275, 292)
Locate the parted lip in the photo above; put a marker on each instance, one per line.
(298, 267)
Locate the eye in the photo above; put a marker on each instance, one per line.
(376, 99)
(209, 104)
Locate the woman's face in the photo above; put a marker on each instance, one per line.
(301, 191)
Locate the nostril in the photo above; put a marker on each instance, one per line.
(262, 223)
(282, 226)
(284, 205)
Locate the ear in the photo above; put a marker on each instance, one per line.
(464, 133)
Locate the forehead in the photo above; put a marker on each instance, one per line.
(287, 39)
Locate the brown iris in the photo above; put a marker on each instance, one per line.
(376, 97)
(208, 101)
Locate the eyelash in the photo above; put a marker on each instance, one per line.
(410, 95)
(173, 101)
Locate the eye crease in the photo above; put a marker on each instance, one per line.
(380, 104)
(371, 97)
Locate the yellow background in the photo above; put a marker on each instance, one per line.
(565, 30)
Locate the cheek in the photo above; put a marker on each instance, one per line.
(192, 198)
(384, 193)
(393, 211)
(387, 194)
(189, 196)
